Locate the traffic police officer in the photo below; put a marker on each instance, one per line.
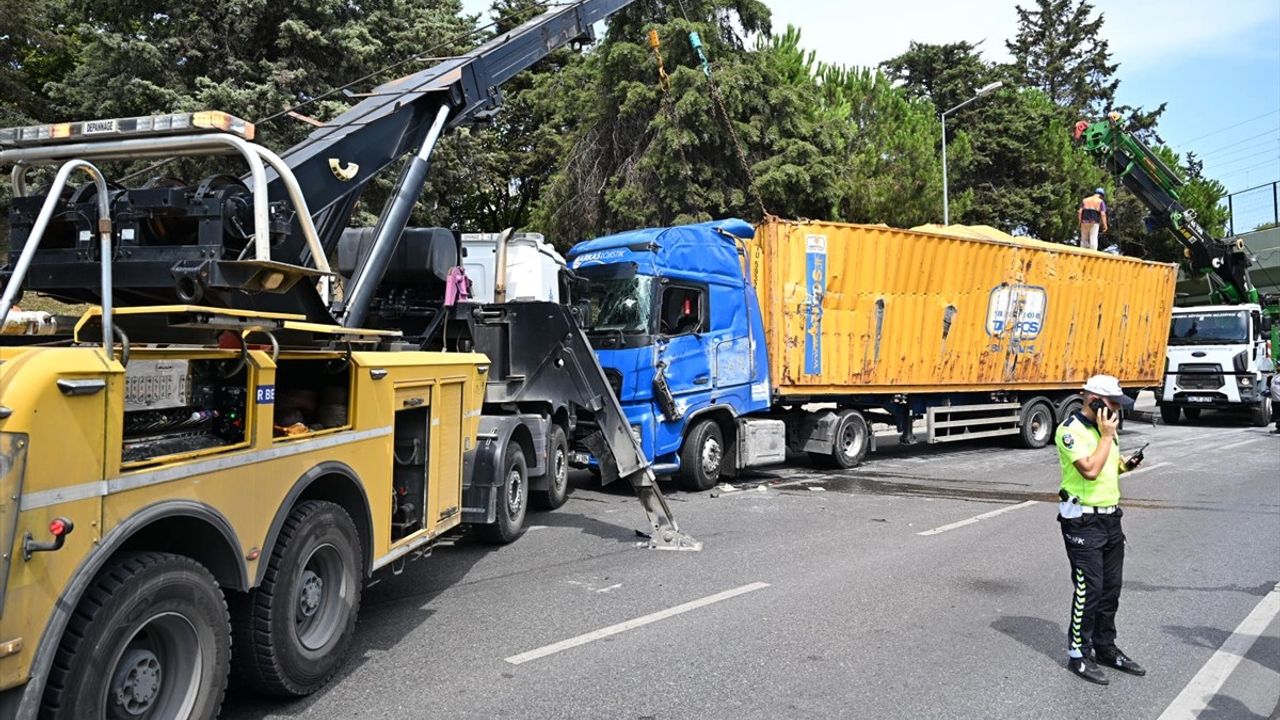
(1090, 518)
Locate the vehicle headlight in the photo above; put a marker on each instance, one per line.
(13, 469)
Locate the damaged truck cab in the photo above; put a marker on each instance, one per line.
(679, 332)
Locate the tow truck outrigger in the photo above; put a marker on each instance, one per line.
(1217, 356)
(218, 447)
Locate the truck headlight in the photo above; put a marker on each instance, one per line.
(13, 469)
(1245, 381)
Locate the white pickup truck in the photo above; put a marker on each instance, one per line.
(1218, 358)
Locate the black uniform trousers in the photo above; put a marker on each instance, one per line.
(1095, 547)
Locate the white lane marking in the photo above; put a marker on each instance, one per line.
(632, 624)
(1238, 444)
(611, 588)
(1198, 693)
(978, 518)
(1131, 473)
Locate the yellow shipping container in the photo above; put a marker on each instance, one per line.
(871, 309)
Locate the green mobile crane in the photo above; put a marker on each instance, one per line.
(1234, 330)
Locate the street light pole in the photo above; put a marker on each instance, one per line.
(983, 91)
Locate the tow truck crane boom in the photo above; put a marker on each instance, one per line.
(1158, 187)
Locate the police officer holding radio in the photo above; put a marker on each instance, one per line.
(1090, 518)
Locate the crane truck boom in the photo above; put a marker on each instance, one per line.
(1219, 356)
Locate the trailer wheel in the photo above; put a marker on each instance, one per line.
(1260, 414)
(702, 456)
(557, 491)
(1169, 413)
(1072, 406)
(1036, 424)
(293, 629)
(513, 500)
(850, 443)
(1192, 414)
(150, 638)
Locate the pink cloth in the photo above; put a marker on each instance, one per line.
(457, 288)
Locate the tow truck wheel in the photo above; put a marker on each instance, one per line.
(851, 441)
(702, 456)
(293, 629)
(150, 639)
(513, 500)
(1260, 414)
(557, 491)
(1036, 425)
(1169, 414)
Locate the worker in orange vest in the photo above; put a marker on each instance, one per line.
(1092, 213)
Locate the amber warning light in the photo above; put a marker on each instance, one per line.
(123, 128)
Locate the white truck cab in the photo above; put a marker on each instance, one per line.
(1217, 358)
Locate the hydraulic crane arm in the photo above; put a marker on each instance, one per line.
(391, 121)
(1145, 175)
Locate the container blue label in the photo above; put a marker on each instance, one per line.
(266, 394)
(815, 288)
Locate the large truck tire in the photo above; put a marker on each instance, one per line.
(292, 631)
(1169, 413)
(513, 500)
(850, 442)
(1070, 407)
(1260, 414)
(702, 456)
(1036, 426)
(151, 638)
(557, 491)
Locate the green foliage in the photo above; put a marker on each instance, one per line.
(819, 140)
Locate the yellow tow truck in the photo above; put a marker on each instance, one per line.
(136, 489)
(200, 472)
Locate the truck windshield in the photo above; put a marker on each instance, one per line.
(621, 305)
(1222, 328)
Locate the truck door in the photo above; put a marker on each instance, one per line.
(684, 348)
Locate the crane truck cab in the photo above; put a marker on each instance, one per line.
(1218, 359)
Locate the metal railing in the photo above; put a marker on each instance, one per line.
(1249, 209)
(37, 232)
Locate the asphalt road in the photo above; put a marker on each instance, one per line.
(843, 608)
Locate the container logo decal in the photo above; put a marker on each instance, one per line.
(1018, 313)
(815, 287)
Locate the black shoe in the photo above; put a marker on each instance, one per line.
(1115, 658)
(1087, 669)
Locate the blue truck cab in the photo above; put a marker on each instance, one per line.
(678, 331)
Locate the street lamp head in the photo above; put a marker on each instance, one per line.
(990, 88)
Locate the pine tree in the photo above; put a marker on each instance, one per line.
(1059, 49)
